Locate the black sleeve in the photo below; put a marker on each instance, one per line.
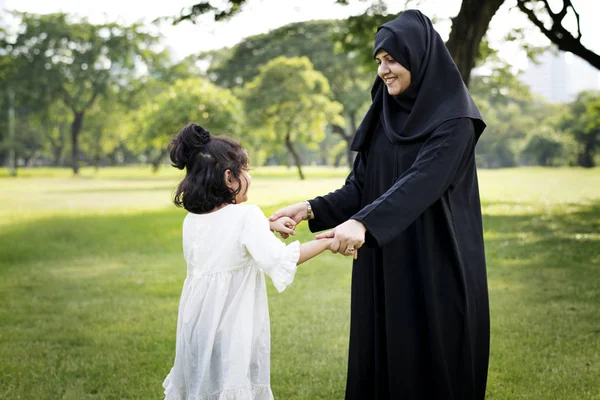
(438, 165)
(337, 207)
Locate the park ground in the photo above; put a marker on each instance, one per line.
(91, 270)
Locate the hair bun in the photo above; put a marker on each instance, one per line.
(187, 144)
(203, 134)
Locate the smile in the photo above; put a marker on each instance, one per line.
(389, 81)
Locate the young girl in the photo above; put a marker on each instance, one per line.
(223, 334)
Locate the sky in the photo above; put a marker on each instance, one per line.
(260, 16)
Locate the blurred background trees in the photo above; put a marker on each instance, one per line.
(77, 93)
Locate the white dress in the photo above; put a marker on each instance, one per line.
(223, 335)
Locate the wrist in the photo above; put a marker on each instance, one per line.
(361, 225)
(308, 215)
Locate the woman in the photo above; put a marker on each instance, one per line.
(419, 311)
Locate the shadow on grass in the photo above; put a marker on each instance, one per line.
(547, 252)
(555, 237)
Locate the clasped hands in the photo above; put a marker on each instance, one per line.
(347, 237)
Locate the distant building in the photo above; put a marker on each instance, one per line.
(558, 78)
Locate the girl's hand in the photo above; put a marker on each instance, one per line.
(297, 212)
(283, 225)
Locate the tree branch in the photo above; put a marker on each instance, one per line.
(91, 102)
(67, 99)
(557, 33)
(340, 131)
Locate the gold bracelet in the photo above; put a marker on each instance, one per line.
(309, 212)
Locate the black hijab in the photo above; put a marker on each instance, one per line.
(436, 94)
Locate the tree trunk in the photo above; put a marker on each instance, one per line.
(468, 29)
(97, 148)
(57, 155)
(586, 158)
(157, 160)
(57, 149)
(295, 155)
(12, 154)
(337, 160)
(75, 129)
(348, 138)
(353, 127)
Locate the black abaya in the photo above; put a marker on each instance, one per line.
(419, 310)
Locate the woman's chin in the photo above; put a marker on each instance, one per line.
(393, 91)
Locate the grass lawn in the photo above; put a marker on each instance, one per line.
(91, 271)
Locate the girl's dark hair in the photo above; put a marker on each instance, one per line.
(205, 159)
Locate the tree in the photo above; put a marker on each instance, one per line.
(8, 68)
(546, 147)
(190, 100)
(313, 39)
(288, 102)
(104, 130)
(77, 61)
(512, 113)
(469, 26)
(583, 121)
(557, 33)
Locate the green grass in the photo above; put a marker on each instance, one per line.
(91, 271)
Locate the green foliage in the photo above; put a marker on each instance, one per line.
(189, 100)
(162, 70)
(546, 147)
(289, 102)
(313, 39)
(583, 122)
(516, 121)
(76, 61)
(57, 122)
(104, 130)
(357, 36)
(231, 8)
(224, 11)
(70, 75)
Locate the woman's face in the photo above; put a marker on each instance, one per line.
(394, 75)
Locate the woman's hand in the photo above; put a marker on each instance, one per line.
(347, 238)
(297, 212)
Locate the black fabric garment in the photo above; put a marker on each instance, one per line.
(436, 94)
(419, 312)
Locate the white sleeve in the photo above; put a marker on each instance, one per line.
(272, 256)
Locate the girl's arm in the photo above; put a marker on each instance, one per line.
(271, 255)
(334, 208)
(313, 248)
(308, 250)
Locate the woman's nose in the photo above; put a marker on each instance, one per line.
(383, 69)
